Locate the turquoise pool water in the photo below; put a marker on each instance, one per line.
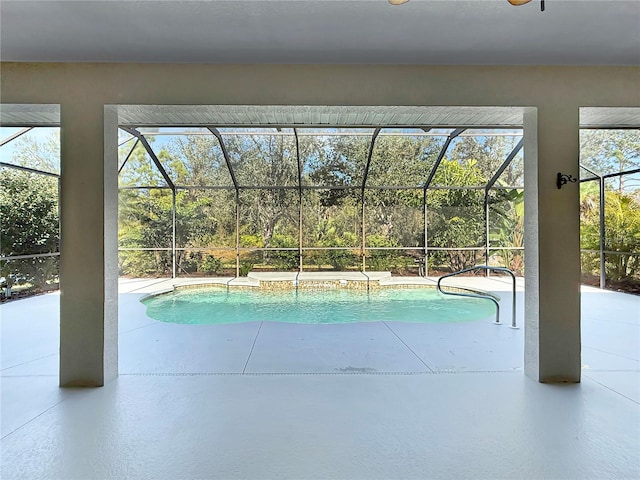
(219, 306)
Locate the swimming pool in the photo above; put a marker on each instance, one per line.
(223, 306)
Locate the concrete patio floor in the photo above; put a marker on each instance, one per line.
(369, 400)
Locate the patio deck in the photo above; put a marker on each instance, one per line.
(373, 400)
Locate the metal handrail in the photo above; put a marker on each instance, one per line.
(487, 296)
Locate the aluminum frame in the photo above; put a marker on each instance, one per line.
(300, 187)
(602, 250)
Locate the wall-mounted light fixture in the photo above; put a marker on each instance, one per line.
(564, 179)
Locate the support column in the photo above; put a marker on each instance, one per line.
(552, 245)
(89, 239)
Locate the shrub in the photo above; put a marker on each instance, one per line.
(211, 265)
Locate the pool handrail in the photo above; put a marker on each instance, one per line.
(486, 296)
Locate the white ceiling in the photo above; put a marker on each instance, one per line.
(436, 32)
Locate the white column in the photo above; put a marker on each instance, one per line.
(89, 257)
(552, 245)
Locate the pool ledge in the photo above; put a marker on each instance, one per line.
(307, 281)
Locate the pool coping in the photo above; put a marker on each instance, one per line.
(286, 281)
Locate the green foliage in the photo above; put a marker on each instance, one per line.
(506, 210)
(36, 151)
(251, 240)
(29, 213)
(341, 259)
(331, 216)
(285, 259)
(340, 256)
(246, 265)
(211, 265)
(456, 216)
(332, 208)
(379, 260)
(145, 221)
(395, 215)
(404, 160)
(488, 154)
(145, 263)
(189, 262)
(622, 232)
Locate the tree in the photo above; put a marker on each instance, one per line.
(204, 217)
(333, 165)
(455, 215)
(622, 231)
(622, 234)
(489, 153)
(266, 160)
(29, 210)
(40, 152)
(398, 214)
(29, 213)
(506, 209)
(610, 151)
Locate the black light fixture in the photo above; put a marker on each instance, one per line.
(563, 179)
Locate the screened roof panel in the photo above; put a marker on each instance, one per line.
(175, 130)
(487, 152)
(586, 173)
(125, 137)
(458, 170)
(196, 160)
(125, 149)
(499, 132)
(139, 169)
(610, 151)
(262, 157)
(334, 131)
(37, 148)
(336, 159)
(403, 157)
(513, 175)
(628, 184)
(329, 157)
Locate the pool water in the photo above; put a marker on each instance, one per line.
(222, 306)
